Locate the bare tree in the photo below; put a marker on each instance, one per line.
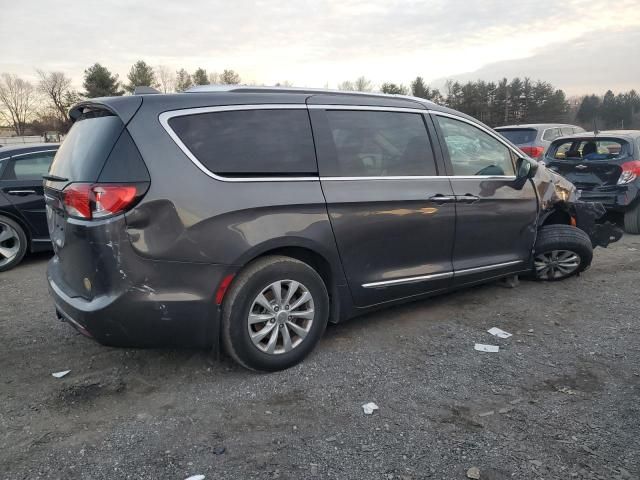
(361, 84)
(214, 78)
(167, 78)
(230, 77)
(18, 101)
(56, 88)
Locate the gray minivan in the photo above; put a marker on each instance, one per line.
(251, 217)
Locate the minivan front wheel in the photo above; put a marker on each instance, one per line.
(561, 251)
(13, 243)
(274, 314)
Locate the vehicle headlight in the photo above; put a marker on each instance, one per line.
(562, 193)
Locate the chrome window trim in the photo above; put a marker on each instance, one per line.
(164, 118)
(421, 177)
(436, 276)
(369, 108)
(30, 153)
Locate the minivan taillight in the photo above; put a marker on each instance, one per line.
(630, 171)
(533, 152)
(87, 200)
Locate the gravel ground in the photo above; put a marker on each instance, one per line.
(560, 399)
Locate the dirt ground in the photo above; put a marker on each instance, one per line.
(560, 400)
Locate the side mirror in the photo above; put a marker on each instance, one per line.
(526, 168)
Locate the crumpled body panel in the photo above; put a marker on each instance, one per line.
(557, 194)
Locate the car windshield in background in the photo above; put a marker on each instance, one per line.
(589, 149)
(519, 136)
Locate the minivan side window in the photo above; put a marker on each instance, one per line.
(380, 143)
(473, 151)
(28, 167)
(276, 142)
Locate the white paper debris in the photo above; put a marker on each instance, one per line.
(496, 332)
(60, 374)
(369, 408)
(195, 477)
(486, 348)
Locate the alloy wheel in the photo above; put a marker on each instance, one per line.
(556, 264)
(9, 244)
(280, 317)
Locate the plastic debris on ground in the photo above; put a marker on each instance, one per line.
(486, 348)
(473, 472)
(60, 374)
(369, 408)
(195, 477)
(496, 332)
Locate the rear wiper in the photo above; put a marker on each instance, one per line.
(55, 178)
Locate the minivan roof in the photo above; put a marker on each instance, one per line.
(214, 95)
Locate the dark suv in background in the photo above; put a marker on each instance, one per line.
(534, 139)
(253, 216)
(605, 167)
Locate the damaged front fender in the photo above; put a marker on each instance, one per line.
(558, 196)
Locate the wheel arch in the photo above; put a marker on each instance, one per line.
(326, 263)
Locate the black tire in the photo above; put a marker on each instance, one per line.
(632, 220)
(239, 300)
(561, 238)
(20, 240)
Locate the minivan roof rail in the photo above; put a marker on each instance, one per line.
(256, 89)
(144, 90)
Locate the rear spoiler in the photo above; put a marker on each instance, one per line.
(123, 107)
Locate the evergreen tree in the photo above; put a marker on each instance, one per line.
(200, 77)
(393, 89)
(140, 75)
(183, 80)
(99, 82)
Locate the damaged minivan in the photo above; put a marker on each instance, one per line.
(248, 218)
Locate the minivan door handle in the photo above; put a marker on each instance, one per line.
(468, 198)
(439, 198)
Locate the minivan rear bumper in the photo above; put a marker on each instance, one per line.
(145, 314)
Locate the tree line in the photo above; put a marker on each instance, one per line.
(45, 105)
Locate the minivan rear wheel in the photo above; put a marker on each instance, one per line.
(274, 313)
(632, 220)
(13, 243)
(561, 251)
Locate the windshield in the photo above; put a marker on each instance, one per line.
(518, 136)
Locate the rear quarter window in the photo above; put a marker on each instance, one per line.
(250, 142)
(86, 147)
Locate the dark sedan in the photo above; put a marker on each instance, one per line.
(605, 166)
(23, 220)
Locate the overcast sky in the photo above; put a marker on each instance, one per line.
(579, 45)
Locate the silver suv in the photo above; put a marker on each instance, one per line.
(534, 139)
